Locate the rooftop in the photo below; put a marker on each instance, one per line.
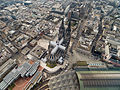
(99, 80)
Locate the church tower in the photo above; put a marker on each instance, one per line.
(61, 30)
(68, 34)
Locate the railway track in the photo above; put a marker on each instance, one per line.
(45, 87)
(42, 86)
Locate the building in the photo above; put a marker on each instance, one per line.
(59, 48)
(33, 42)
(22, 41)
(4, 55)
(86, 80)
(12, 48)
(24, 70)
(25, 51)
(98, 80)
(36, 53)
(61, 30)
(7, 67)
(111, 54)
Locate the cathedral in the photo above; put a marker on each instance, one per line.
(59, 48)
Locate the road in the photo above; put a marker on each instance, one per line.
(100, 32)
(81, 26)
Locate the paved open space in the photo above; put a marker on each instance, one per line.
(43, 43)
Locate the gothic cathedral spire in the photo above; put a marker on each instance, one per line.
(61, 30)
